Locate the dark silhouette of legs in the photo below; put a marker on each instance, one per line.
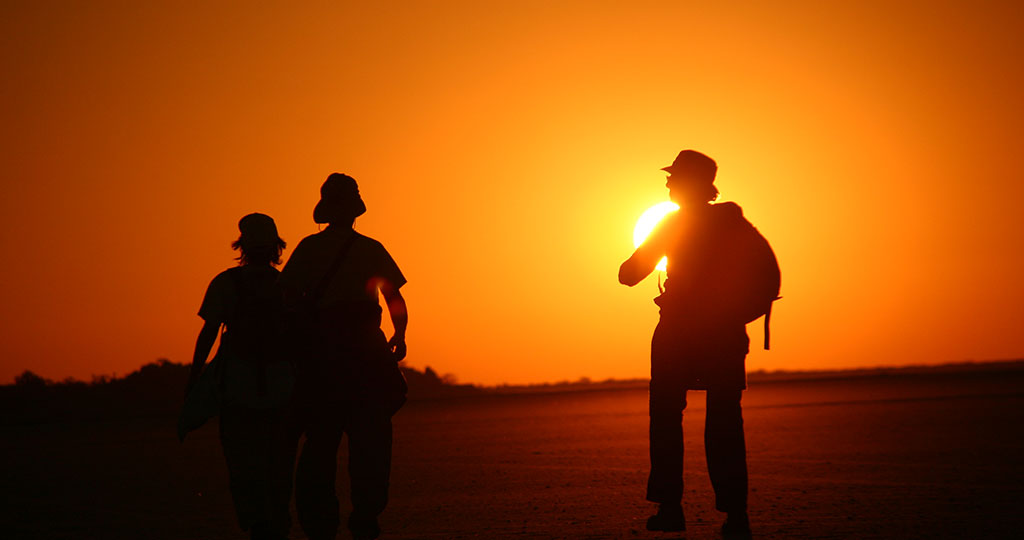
(369, 463)
(665, 482)
(726, 450)
(315, 499)
(259, 458)
(724, 447)
(369, 467)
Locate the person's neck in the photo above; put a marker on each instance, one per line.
(693, 206)
(341, 227)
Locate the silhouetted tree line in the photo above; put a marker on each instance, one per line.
(156, 389)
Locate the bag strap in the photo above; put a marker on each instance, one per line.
(767, 323)
(321, 287)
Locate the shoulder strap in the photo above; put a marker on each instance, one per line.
(321, 287)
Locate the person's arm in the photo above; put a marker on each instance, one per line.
(204, 343)
(638, 266)
(399, 318)
(646, 257)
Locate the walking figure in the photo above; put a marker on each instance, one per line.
(721, 275)
(249, 382)
(347, 376)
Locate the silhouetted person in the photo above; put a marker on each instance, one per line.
(347, 383)
(254, 378)
(701, 342)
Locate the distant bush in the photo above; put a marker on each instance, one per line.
(31, 380)
(155, 389)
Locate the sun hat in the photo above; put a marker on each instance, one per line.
(339, 200)
(257, 230)
(693, 164)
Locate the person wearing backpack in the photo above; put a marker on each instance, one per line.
(348, 380)
(721, 275)
(250, 379)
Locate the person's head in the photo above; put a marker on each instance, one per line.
(339, 201)
(691, 178)
(259, 242)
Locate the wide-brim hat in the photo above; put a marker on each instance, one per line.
(258, 230)
(693, 164)
(339, 200)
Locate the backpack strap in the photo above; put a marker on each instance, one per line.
(767, 323)
(321, 287)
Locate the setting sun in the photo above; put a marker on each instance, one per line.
(648, 221)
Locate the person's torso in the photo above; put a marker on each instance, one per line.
(702, 261)
(254, 310)
(341, 278)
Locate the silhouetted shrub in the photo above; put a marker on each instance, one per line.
(155, 389)
(30, 380)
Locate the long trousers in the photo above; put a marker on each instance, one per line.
(260, 458)
(723, 444)
(369, 464)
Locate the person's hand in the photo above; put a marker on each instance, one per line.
(397, 347)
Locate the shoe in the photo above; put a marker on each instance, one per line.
(736, 526)
(363, 528)
(668, 519)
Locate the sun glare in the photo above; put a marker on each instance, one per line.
(648, 221)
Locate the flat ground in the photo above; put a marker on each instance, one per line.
(929, 456)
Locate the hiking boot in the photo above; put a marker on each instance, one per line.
(736, 527)
(668, 519)
(363, 528)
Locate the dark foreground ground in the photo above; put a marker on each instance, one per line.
(923, 456)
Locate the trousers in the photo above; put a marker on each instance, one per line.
(369, 463)
(724, 446)
(260, 458)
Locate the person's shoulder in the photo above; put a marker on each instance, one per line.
(367, 241)
(313, 239)
(367, 245)
(258, 270)
(729, 213)
(310, 246)
(224, 280)
(227, 275)
(728, 209)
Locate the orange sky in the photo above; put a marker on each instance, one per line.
(505, 150)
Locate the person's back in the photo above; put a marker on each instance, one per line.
(258, 374)
(253, 378)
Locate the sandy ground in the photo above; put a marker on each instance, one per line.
(902, 457)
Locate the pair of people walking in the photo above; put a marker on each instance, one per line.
(302, 354)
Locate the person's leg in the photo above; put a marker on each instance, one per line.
(243, 445)
(665, 482)
(726, 450)
(280, 467)
(315, 499)
(667, 401)
(369, 467)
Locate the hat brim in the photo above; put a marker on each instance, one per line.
(329, 212)
(323, 212)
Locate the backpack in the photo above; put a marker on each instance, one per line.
(760, 280)
(728, 271)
